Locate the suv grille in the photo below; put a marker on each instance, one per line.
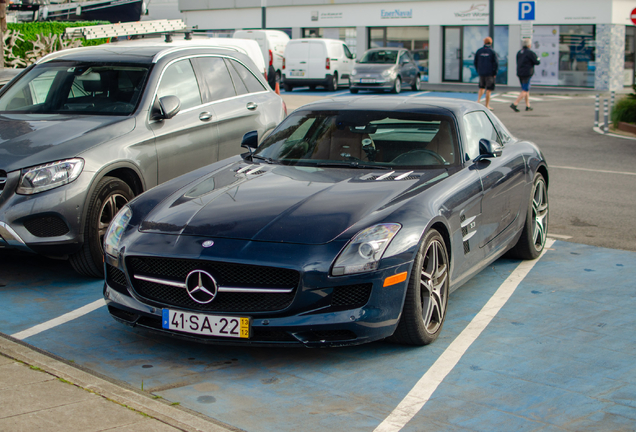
(226, 274)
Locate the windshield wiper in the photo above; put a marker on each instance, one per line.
(352, 164)
(266, 159)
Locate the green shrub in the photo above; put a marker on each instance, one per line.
(30, 31)
(624, 111)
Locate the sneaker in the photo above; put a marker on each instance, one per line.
(514, 107)
(528, 108)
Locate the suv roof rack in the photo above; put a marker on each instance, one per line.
(167, 27)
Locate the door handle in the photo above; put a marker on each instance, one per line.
(251, 106)
(205, 116)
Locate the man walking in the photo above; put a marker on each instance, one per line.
(526, 61)
(487, 65)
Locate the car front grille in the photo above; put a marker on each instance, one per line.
(116, 279)
(226, 275)
(351, 296)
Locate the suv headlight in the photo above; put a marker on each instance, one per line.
(364, 251)
(44, 177)
(116, 230)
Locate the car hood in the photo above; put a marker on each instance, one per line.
(373, 68)
(28, 140)
(281, 204)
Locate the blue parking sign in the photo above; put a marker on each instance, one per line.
(526, 11)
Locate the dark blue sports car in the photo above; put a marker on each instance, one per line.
(351, 222)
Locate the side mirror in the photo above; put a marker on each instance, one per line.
(166, 108)
(405, 61)
(250, 140)
(488, 149)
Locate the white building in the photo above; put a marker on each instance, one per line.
(583, 43)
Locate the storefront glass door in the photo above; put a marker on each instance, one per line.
(452, 53)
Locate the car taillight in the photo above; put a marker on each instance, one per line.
(327, 64)
(271, 58)
(285, 108)
(283, 62)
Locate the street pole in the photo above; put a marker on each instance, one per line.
(491, 21)
(263, 14)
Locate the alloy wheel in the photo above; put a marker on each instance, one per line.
(539, 215)
(109, 209)
(433, 287)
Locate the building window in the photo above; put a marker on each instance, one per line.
(473, 39)
(577, 63)
(630, 35)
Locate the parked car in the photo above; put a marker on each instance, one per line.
(85, 130)
(272, 44)
(316, 62)
(351, 222)
(385, 69)
(421, 60)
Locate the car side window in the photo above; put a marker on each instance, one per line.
(477, 126)
(347, 52)
(403, 57)
(504, 135)
(179, 80)
(218, 84)
(239, 85)
(251, 82)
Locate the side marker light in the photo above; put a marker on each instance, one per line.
(395, 279)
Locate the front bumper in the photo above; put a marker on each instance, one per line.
(312, 318)
(379, 83)
(304, 82)
(47, 223)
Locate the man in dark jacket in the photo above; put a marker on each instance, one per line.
(526, 61)
(486, 64)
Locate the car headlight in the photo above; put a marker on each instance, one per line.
(116, 230)
(364, 251)
(354, 72)
(44, 177)
(388, 72)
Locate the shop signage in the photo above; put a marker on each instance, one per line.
(396, 14)
(526, 11)
(475, 11)
(633, 16)
(315, 15)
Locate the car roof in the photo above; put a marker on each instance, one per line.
(430, 105)
(146, 53)
(386, 49)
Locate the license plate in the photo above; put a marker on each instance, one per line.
(297, 73)
(367, 81)
(208, 325)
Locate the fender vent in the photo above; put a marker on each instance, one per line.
(3, 180)
(466, 247)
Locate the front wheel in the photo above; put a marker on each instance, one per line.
(426, 295)
(417, 84)
(535, 229)
(287, 87)
(110, 195)
(397, 86)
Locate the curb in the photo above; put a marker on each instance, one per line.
(119, 392)
(598, 130)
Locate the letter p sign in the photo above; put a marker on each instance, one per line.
(526, 11)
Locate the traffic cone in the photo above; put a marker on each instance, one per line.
(277, 88)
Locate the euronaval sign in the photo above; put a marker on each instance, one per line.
(396, 14)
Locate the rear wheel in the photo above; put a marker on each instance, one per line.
(332, 85)
(417, 84)
(535, 229)
(287, 87)
(354, 91)
(110, 195)
(426, 300)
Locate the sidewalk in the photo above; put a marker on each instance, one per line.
(41, 393)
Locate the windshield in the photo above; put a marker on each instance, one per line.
(372, 139)
(384, 56)
(76, 88)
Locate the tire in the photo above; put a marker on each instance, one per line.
(354, 91)
(535, 229)
(333, 84)
(426, 299)
(287, 87)
(397, 86)
(417, 83)
(110, 195)
(312, 87)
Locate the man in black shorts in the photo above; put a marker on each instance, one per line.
(487, 65)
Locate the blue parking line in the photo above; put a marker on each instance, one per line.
(559, 353)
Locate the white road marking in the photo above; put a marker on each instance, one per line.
(593, 170)
(557, 97)
(515, 94)
(422, 391)
(59, 320)
(559, 236)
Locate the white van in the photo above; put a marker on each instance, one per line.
(246, 46)
(317, 62)
(272, 43)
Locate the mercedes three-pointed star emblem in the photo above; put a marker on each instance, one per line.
(201, 286)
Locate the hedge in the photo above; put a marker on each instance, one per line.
(30, 31)
(624, 111)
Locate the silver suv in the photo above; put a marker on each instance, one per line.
(85, 130)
